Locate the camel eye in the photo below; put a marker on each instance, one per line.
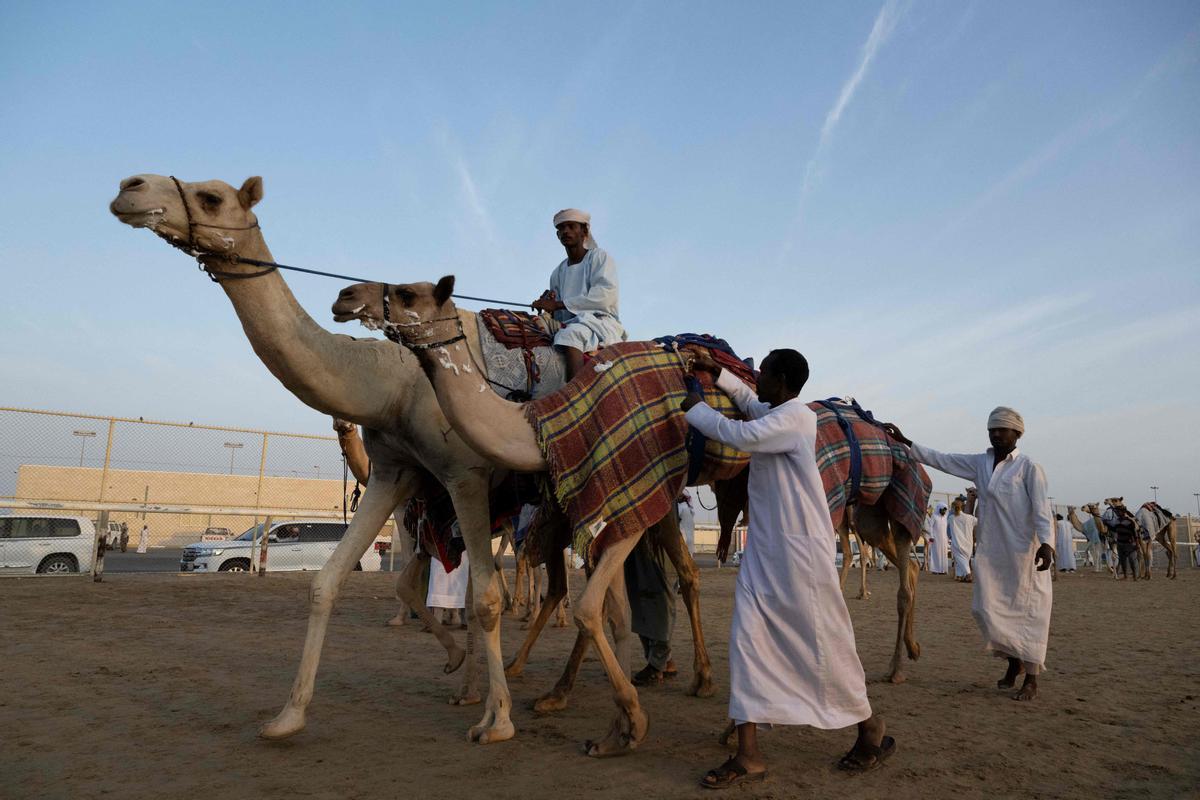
(209, 200)
(406, 295)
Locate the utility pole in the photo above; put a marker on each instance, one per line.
(83, 437)
(233, 448)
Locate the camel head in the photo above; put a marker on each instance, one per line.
(216, 218)
(1115, 502)
(413, 314)
(1091, 508)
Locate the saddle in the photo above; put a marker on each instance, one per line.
(518, 350)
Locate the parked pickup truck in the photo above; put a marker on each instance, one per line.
(299, 544)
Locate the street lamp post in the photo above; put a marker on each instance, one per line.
(1197, 496)
(1155, 490)
(83, 437)
(233, 448)
(317, 467)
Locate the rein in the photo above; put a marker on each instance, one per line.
(215, 275)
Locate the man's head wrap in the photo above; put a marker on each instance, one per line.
(1005, 417)
(583, 218)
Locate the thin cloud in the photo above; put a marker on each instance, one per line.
(881, 31)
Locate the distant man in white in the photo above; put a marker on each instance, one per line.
(961, 526)
(583, 292)
(792, 657)
(1013, 593)
(937, 541)
(687, 520)
(1064, 545)
(144, 539)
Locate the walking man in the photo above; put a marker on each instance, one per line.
(792, 657)
(1013, 592)
(961, 526)
(583, 292)
(937, 540)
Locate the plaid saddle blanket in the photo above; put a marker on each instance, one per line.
(615, 440)
(430, 519)
(888, 472)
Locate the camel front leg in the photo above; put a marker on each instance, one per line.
(405, 551)
(844, 538)
(1168, 543)
(408, 589)
(557, 590)
(388, 487)
(1146, 553)
(519, 576)
(470, 496)
(689, 585)
(631, 724)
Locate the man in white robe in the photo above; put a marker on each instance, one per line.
(1013, 593)
(1064, 544)
(583, 292)
(448, 590)
(961, 527)
(939, 541)
(687, 520)
(792, 657)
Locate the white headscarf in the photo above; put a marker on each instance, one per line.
(1005, 417)
(583, 218)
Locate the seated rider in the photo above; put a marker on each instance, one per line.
(583, 292)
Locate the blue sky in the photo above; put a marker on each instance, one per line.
(946, 206)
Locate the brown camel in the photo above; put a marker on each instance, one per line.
(497, 429)
(364, 381)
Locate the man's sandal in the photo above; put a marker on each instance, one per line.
(866, 757)
(728, 774)
(648, 676)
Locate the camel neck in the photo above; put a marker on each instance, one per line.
(335, 375)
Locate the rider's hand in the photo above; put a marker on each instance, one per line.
(691, 400)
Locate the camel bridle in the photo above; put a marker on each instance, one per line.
(392, 332)
(192, 247)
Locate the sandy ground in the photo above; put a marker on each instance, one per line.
(153, 686)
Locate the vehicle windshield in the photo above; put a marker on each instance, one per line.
(250, 534)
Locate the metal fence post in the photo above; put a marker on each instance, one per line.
(107, 458)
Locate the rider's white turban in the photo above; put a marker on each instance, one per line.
(582, 217)
(1005, 417)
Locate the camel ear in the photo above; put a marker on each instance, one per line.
(251, 192)
(443, 290)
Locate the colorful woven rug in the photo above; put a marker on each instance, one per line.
(430, 519)
(889, 474)
(614, 439)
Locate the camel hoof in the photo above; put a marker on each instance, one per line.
(628, 731)
(702, 686)
(289, 722)
(399, 620)
(468, 699)
(897, 678)
(457, 657)
(514, 669)
(482, 734)
(547, 704)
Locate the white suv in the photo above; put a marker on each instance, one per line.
(33, 543)
(301, 544)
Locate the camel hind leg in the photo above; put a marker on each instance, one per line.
(875, 527)
(556, 591)
(673, 544)
(630, 725)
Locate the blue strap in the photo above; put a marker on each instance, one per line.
(695, 441)
(855, 449)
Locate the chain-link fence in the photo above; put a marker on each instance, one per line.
(166, 496)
